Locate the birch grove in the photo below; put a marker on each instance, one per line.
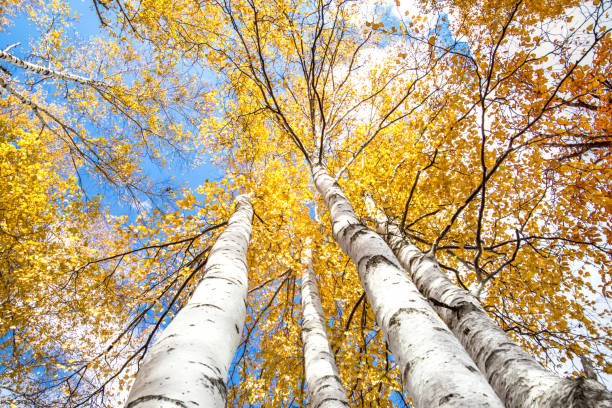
(479, 129)
(435, 368)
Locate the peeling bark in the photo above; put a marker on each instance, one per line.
(188, 365)
(326, 389)
(519, 380)
(436, 370)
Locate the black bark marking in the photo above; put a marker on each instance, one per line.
(334, 197)
(438, 303)
(446, 398)
(411, 263)
(361, 260)
(146, 398)
(237, 330)
(231, 281)
(440, 329)
(211, 368)
(377, 260)
(198, 305)
(405, 371)
(331, 399)
(357, 234)
(167, 337)
(472, 369)
(500, 350)
(350, 230)
(217, 383)
(325, 378)
(395, 318)
(465, 308)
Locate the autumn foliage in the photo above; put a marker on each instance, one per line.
(481, 129)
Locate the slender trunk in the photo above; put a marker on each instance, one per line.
(516, 377)
(435, 368)
(34, 106)
(188, 365)
(326, 389)
(40, 70)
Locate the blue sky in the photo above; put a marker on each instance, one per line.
(177, 175)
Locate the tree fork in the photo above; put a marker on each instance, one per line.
(188, 365)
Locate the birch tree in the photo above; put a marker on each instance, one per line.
(321, 373)
(516, 377)
(189, 363)
(73, 120)
(418, 354)
(476, 136)
(434, 367)
(309, 82)
(510, 262)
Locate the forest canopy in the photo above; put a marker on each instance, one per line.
(471, 138)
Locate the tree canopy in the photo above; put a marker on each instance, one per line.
(480, 129)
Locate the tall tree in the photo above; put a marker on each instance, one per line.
(516, 377)
(188, 364)
(326, 389)
(475, 129)
(65, 292)
(421, 104)
(435, 368)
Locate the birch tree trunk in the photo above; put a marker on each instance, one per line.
(188, 365)
(436, 370)
(516, 377)
(39, 69)
(326, 389)
(34, 106)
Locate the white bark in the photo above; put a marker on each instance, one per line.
(187, 367)
(436, 370)
(517, 378)
(40, 70)
(5, 85)
(326, 389)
